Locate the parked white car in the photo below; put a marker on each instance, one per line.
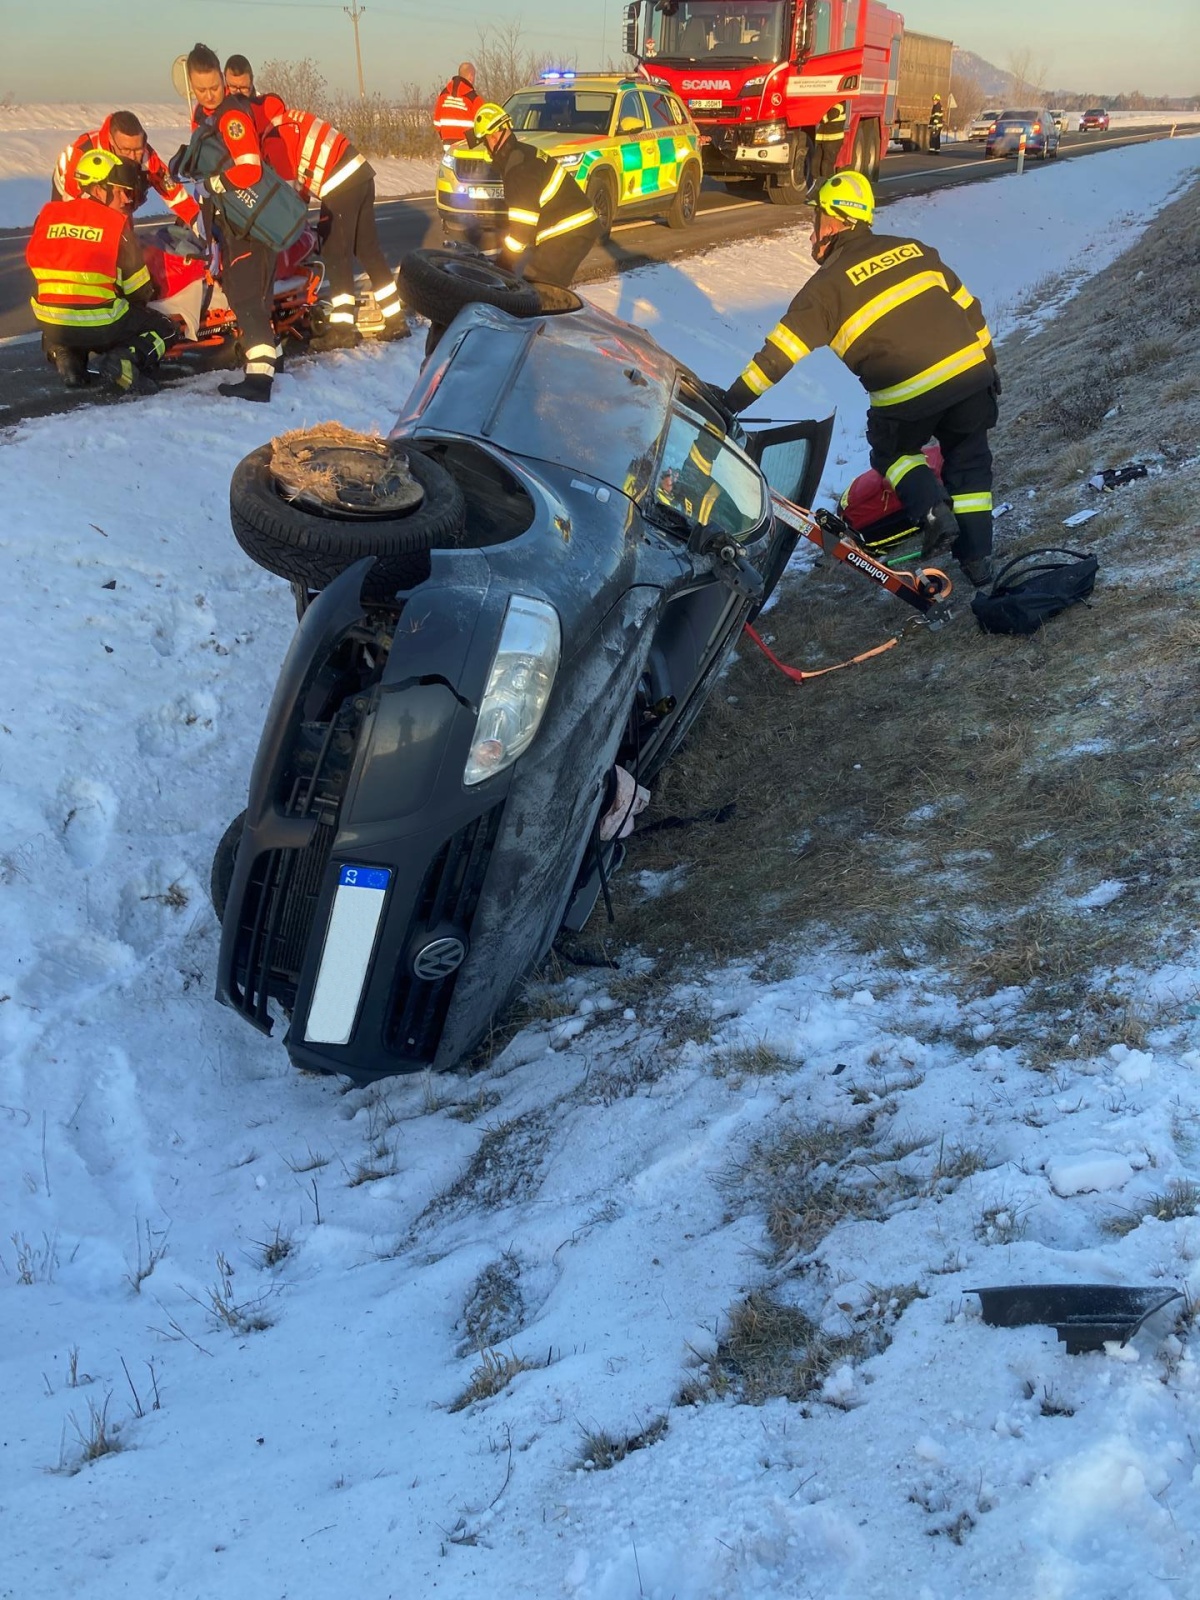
(982, 124)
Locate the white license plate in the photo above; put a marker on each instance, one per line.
(485, 191)
(705, 105)
(349, 945)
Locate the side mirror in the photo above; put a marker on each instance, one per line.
(630, 125)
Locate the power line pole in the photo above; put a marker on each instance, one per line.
(354, 11)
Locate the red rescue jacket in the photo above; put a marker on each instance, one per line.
(321, 155)
(154, 171)
(86, 262)
(454, 110)
(235, 120)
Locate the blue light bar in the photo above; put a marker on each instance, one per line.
(557, 75)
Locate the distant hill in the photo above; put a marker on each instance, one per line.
(997, 84)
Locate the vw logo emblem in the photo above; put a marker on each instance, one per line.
(439, 959)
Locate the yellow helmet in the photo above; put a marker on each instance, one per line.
(102, 166)
(847, 196)
(490, 118)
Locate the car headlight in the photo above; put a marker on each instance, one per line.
(518, 688)
(569, 161)
(770, 133)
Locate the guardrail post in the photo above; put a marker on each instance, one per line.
(1171, 135)
(1021, 153)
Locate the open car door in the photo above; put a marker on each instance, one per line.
(791, 458)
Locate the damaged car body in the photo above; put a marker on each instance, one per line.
(424, 809)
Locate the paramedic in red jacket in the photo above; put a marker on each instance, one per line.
(123, 134)
(454, 109)
(330, 170)
(269, 112)
(247, 266)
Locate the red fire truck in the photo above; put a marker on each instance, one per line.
(759, 75)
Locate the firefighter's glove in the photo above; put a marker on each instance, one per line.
(996, 384)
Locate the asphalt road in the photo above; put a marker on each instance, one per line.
(28, 387)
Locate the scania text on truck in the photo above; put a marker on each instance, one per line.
(758, 76)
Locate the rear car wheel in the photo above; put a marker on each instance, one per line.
(223, 863)
(439, 283)
(687, 198)
(603, 202)
(311, 544)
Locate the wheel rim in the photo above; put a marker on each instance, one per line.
(689, 199)
(478, 274)
(602, 205)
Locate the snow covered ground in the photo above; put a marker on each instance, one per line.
(32, 137)
(273, 1291)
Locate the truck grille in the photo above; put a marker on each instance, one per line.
(448, 898)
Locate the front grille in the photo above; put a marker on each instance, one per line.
(448, 898)
(277, 911)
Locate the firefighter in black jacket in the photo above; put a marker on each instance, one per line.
(917, 341)
(937, 118)
(828, 139)
(551, 224)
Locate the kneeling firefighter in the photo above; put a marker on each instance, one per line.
(93, 284)
(916, 340)
(256, 214)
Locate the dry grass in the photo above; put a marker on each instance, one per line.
(496, 1370)
(771, 1349)
(1181, 1198)
(495, 1307)
(600, 1450)
(951, 802)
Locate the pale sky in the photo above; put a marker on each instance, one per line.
(84, 50)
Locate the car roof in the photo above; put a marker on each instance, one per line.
(609, 82)
(524, 385)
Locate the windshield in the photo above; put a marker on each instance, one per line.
(561, 111)
(702, 482)
(715, 30)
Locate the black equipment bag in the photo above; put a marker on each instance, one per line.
(1032, 587)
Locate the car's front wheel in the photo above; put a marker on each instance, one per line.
(687, 199)
(603, 201)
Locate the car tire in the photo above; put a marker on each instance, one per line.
(438, 283)
(224, 860)
(308, 547)
(603, 201)
(687, 198)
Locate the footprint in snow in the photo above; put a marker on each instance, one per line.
(88, 809)
(68, 970)
(183, 724)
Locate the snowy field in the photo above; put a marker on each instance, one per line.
(33, 136)
(266, 1286)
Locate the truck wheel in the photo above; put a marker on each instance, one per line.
(312, 546)
(790, 188)
(687, 198)
(439, 283)
(223, 862)
(874, 151)
(603, 202)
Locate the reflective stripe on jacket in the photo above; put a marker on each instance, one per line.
(154, 171)
(895, 313)
(322, 155)
(544, 200)
(85, 261)
(454, 110)
(832, 126)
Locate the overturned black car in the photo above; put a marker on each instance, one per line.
(582, 541)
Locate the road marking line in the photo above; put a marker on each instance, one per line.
(19, 338)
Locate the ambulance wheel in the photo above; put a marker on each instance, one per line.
(603, 200)
(439, 283)
(223, 863)
(687, 198)
(312, 547)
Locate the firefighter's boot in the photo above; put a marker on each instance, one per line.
(254, 386)
(978, 571)
(939, 529)
(120, 369)
(72, 368)
(337, 336)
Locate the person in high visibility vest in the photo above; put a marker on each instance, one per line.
(916, 339)
(269, 111)
(551, 223)
(92, 285)
(937, 119)
(331, 171)
(455, 107)
(247, 265)
(123, 134)
(828, 139)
